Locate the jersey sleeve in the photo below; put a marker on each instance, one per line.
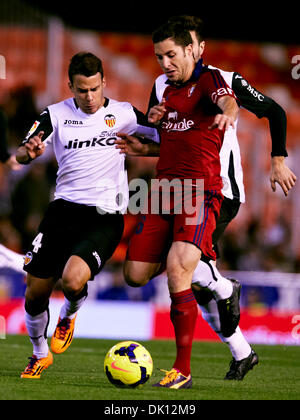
(153, 100)
(249, 97)
(215, 86)
(263, 106)
(144, 129)
(157, 92)
(43, 123)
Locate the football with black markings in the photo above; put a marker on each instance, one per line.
(128, 364)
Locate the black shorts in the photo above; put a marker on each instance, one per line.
(73, 229)
(228, 211)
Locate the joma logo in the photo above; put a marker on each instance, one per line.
(73, 122)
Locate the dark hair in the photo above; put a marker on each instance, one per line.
(85, 63)
(174, 31)
(190, 23)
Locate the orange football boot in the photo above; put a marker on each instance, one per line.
(175, 380)
(63, 335)
(36, 366)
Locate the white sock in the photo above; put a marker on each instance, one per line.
(211, 315)
(70, 308)
(37, 331)
(207, 275)
(238, 345)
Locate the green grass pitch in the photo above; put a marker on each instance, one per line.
(78, 374)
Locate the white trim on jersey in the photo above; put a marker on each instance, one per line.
(230, 156)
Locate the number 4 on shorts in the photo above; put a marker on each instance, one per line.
(37, 242)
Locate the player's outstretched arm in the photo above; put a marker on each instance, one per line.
(282, 175)
(32, 149)
(133, 146)
(230, 111)
(264, 106)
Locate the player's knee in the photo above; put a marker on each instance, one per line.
(135, 280)
(72, 284)
(75, 276)
(179, 276)
(182, 260)
(134, 275)
(176, 270)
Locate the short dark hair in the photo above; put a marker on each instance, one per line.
(85, 63)
(190, 23)
(174, 31)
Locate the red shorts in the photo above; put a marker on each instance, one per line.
(155, 233)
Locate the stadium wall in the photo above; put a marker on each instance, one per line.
(144, 321)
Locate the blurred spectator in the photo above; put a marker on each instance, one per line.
(20, 109)
(117, 289)
(9, 235)
(4, 154)
(259, 298)
(8, 159)
(30, 200)
(258, 248)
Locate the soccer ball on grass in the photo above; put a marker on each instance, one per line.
(128, 364)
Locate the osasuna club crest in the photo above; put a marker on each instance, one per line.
(110, 120)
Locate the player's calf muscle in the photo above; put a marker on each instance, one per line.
(37, 294)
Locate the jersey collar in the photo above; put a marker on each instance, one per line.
(195, 75)
(198, 70)
(106, 102)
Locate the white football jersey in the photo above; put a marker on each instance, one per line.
(90, 169)
(230, 157)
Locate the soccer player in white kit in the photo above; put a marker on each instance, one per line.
(84, 224)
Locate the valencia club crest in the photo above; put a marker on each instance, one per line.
(110, 120)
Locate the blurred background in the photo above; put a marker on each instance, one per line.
(261, 247)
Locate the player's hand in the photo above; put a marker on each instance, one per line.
(222, 121)
(12, 163)
(35, 146)
(129, 145)
(157, 112)
(282, 175)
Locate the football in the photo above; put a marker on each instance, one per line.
(128, 364)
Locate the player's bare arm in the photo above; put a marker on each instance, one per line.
(282, 175)
(32, 149)
(12, 163)
(230, 111)
(132, 146)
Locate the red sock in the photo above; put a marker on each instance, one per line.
(184, 312)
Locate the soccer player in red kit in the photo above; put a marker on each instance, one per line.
(198, 106)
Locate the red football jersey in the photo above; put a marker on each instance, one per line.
(189, 150)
